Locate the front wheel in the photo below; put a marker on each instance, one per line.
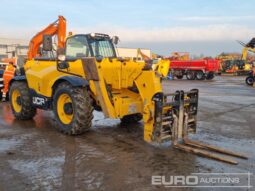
(249, 80)
(210, 76)
(21, 103)
(73, 109)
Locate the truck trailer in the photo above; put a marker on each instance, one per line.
(195, 69)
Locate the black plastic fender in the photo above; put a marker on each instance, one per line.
(73, 80)
(17, 78)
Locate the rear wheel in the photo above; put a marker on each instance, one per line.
(200, 75)
(134, 118)
(249, 80)
(179, 76)
(73, 109)
(190, 75)
(210, 76)
(21, 103)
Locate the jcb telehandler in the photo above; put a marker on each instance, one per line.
(86, 74)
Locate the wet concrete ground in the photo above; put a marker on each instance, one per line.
(34, 156)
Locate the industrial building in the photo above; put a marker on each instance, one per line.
(13, 47)
(10, 47)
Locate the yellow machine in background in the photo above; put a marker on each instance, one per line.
(161, 66)
(239, 63)
(249, 60)
(249, 47)
(233, 64)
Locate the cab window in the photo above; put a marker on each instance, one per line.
(77, 47)
(102, 47)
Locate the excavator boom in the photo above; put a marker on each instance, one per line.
(144, 56)
(57, 27)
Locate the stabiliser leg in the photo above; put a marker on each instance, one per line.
(181, 141)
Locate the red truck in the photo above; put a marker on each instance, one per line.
(195, 69)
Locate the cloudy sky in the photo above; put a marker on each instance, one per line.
(206, 27)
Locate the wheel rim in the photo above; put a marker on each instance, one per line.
(190, 76)
(199, 75)
(64, 100)
(16, 102)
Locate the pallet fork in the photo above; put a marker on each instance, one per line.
(186, 116)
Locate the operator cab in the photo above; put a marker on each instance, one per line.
(90, 45)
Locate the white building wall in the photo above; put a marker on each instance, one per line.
(132, 53)
(8, 45)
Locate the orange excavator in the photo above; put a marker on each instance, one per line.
(58, 28)
(158, 64)
(144, 56)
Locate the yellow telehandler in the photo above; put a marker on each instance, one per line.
(86, 74)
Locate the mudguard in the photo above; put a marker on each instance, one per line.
(17, 78)
(74, 81)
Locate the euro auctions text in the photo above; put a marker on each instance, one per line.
(223, 180)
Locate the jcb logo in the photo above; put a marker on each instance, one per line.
(38, 101)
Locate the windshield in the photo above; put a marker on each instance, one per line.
(102, 47)
(83, 46)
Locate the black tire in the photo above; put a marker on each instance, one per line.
(190, 75)
(82, 109)
(249, 80)
(25, 101)
(210, 76)
(179, 77)
(200, 75)
(134, 118)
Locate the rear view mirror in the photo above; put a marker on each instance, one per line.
(115, 40)
(47, 43)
